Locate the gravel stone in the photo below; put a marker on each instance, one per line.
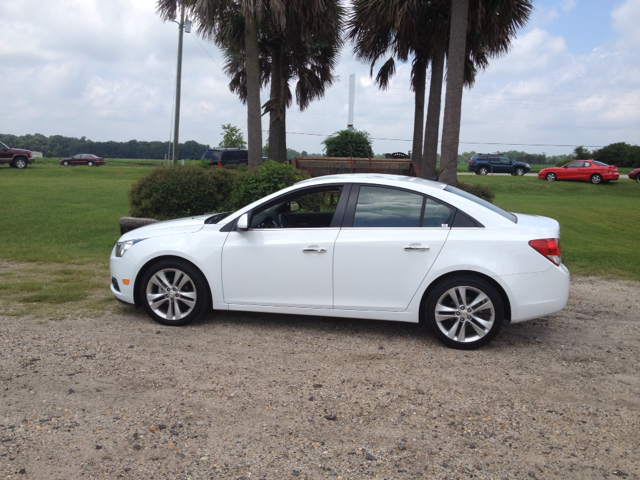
(258, 396)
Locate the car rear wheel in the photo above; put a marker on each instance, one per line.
(464, 312)
(596, 178)
(89, 163)
(174, 292)
(483, 170)
(20, 163)
(520, 171)
(65, 163)
(551, 177)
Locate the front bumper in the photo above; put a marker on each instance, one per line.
(121, 269)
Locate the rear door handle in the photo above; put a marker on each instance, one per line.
(419, 248)
(314, 250)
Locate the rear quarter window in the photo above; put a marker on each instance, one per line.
(484, 203)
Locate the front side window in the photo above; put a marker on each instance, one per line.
(310, 209)
(380, 207)
(575, 165)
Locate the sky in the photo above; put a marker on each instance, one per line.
(107, 71)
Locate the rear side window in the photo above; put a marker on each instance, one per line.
(484, 203)
(379, 207)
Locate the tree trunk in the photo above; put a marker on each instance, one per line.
(432, 128)
(419, 85)
(277, 126)
(254, 117)
(453, 97)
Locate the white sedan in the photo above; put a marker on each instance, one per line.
(361, 246)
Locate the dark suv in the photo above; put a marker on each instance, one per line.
(226, 156)
(15, 157)
(484, 163)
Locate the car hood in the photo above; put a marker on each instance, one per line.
(20, 150)
(169, 227)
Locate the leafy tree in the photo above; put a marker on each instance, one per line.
(348, 143)
(581, 153)
(621, 154)
(232, 137)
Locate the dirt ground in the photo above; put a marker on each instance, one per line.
(257, 396)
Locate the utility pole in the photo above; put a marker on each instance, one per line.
(352, 90)
(176, 124)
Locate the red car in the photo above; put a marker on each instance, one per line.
(635, 175)
(591, 170)
(82, 159)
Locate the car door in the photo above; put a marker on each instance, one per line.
(388, 242)
(285, 257)
(506, 165)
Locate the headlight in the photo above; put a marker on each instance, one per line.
(122, 247)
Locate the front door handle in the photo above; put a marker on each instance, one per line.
(419, 248)
(314, 250)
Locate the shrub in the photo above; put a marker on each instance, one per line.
(482, 191)
(268, 178)
(176, 191)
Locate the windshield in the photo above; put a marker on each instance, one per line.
(4, 146)
(484, 203)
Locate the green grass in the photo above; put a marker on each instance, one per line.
(58, 226)
(600, 223)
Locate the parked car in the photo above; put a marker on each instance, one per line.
(483, 164)
(82, 159)
(226, 156)
(591, 170)
(15, 157)
(367, 246)
(635, 175)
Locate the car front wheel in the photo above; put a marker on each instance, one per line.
(520, 171)
(89, 164)
(638, 178)
(551, 177)
(65, 163)
(464, 312)
(174, 292)
(20, 163)
(596, 178)
(483, 170)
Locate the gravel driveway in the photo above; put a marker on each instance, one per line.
(257, 396)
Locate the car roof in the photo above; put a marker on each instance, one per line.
(379, 178)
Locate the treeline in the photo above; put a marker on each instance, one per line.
(59, 146)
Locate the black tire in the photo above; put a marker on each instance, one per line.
(551, 177)
(480, 323)
(519, 171)
(89, 163)
(65, 163)
(483, 170)
(638, 177)
(596, 179)
(20, 163)
(165, 282)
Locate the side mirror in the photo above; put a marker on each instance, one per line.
(294, 206)
(243, 222)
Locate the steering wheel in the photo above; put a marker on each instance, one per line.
(268, 222)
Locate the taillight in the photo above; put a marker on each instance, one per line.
(548, 247)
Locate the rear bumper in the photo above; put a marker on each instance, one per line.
(535, 295)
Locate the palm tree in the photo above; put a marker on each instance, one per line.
(306, 52)
(208, 14)
(479, 29)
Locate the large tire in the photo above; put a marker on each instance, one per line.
(464, 312)
(174, 292)
(596, 179)
(20, 163)
(483, 170)
(551, 177)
